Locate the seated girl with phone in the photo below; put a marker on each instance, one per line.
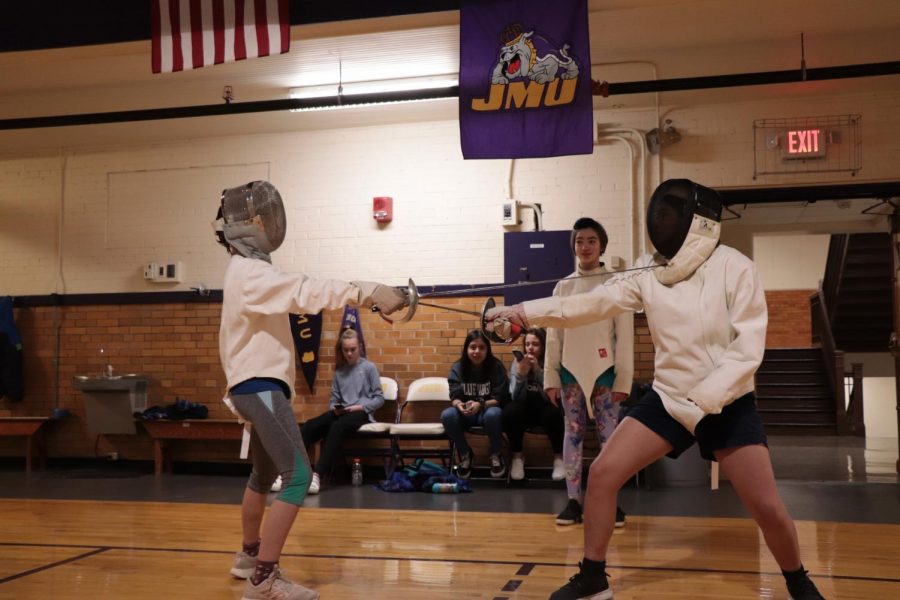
(355, 396)
(530, 407)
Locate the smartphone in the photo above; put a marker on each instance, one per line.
(519, 356)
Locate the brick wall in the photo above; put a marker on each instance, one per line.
(789, 319)
(176, 345)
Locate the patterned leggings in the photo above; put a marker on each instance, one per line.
(606, 413)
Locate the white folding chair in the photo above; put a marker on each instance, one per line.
(418, 420)
(380, 429)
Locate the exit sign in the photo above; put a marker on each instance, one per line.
(803, 143)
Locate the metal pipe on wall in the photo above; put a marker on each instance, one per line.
(633, 87)
(642, 200)
(635, 250)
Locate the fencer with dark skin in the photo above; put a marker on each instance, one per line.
(707, 315)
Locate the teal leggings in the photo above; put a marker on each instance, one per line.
(276, 446)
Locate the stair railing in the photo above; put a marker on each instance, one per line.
(832, 358)
(855, 405)
(834, 271)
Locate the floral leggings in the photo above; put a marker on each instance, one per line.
(606, 413)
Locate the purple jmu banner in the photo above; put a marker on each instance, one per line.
(524, 79)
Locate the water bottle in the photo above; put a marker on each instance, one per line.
(356, 477)
(444, 488)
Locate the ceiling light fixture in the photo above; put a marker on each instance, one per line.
(355, 88)
(364, 93)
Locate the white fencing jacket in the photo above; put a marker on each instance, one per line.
(589, 350)
(709, 330)
(255, 337)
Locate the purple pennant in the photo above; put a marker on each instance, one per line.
(307, 332)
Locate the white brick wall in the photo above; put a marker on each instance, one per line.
(446, 227)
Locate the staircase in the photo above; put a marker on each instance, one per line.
(793, 396)
(860, 286)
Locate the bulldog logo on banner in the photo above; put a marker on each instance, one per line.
(525, 87)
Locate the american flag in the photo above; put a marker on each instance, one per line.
(189, 34)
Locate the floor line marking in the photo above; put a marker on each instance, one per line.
(52, 565)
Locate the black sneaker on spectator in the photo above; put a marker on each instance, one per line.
(581, 587)
(498, 466)
(620, 517)
(464, 466)
(571, 514)
(804, 589)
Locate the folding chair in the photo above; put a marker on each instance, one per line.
(380, 429)
(419, 420)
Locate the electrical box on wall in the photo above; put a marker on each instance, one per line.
(150, 271)
(383, 209)
(163, 272)
(510, 217)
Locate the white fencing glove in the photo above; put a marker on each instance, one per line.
(384, 297)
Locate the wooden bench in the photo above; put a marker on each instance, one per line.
(31, 429)
(163, 431)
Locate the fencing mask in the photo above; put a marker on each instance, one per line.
(251, 220)
(683, 222)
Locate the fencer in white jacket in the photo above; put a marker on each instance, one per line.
(709, 330)
(257, 353)
(707, 316)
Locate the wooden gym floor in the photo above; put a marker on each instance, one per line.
(114, 531)
(78, 549)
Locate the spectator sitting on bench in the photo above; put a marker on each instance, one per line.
(355, 396)
(478, 390)
(530, 406)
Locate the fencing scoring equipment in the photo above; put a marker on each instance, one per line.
(684, 221)
(251, 220)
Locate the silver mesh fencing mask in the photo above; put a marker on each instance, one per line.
(672, 209)
(251, 219)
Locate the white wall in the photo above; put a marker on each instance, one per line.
(790, 262)
(880, 407)
(447, 210)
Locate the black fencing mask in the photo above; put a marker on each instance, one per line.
(672, 209)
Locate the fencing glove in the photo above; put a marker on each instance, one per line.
(501, 319)
(386, 298)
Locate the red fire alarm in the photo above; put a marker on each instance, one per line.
(383, 209)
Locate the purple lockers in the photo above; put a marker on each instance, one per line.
(535, 256)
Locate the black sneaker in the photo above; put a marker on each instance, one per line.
(804, 589)
(464, 466)
(620, 517)
(581, 587)
(570, 515)
(498, 466)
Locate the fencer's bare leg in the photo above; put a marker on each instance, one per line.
(275, 530)
(631, 447)
(749, 468)
(252, 509)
